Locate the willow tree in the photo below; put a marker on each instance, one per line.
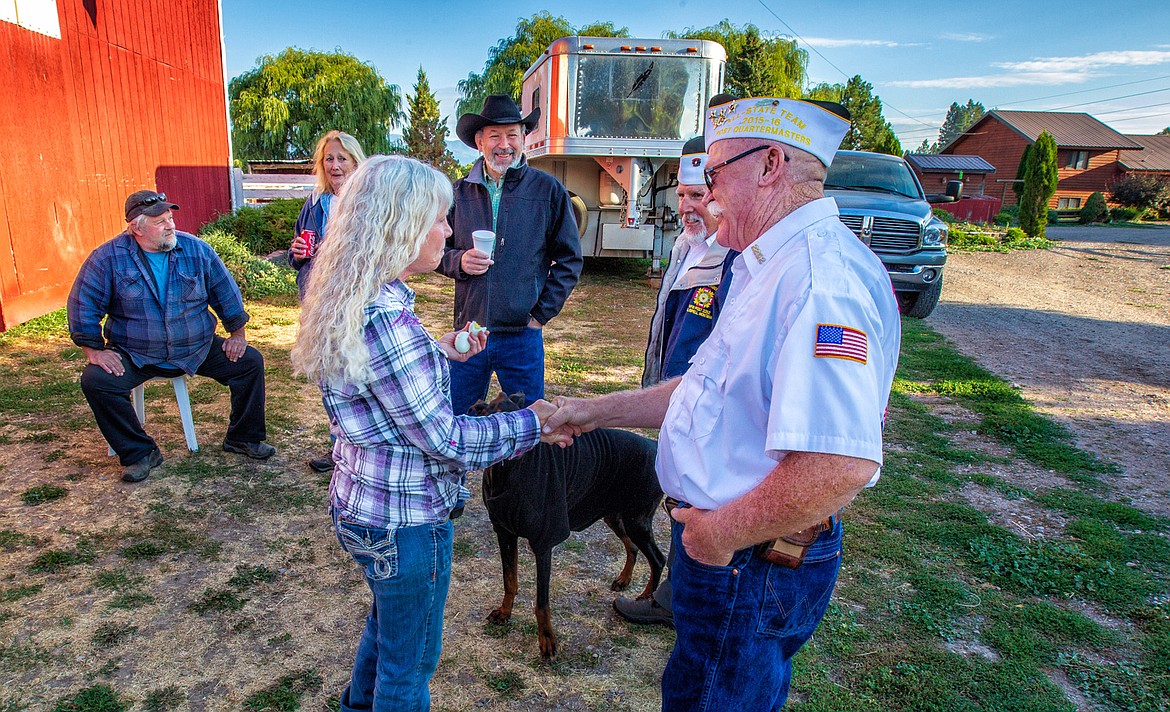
(282, 106)
(503, 73)
(756, 65)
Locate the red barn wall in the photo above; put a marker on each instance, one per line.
(1000, 146)
(131, 96)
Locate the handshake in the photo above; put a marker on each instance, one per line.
(561, 420)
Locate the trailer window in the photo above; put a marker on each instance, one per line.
(642, 96)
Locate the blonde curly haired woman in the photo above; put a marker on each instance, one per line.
(401, 452)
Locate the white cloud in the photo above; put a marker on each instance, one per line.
(995, 80)
(965, 37)
(846, 42)
(1089, 62)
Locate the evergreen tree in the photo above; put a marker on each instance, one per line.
(959, 118)
(927, 147)
(1164, 132)
(868, 130)
(1039, 185)
(426, 134)
(281, 107)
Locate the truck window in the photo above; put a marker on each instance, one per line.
(643, 96)
(872, 173)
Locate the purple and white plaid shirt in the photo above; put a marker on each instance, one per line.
(400, 452)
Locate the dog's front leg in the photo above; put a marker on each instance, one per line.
(544, 626)
(510, 564)
(622, 582)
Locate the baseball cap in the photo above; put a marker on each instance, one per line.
(147, 202)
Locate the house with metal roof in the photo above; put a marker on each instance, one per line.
(1088, 151)
(1153, 159)
(934, 170)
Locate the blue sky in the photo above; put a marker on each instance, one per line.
(1109, 59)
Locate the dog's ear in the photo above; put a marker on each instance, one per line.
(478, 408)
(517, 400)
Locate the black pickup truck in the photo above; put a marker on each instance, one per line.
(882, 202)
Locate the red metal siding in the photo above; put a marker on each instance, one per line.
(998, 145)
(130, 97)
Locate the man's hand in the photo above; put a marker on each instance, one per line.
(107, 360)
(475, 262)
(544, 410)
(534, 324)
(234, 345)
(571, 417)
(701, 536)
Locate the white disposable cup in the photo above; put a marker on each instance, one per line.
(484, 241)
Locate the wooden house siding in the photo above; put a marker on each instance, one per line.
(1000, 146)
(131, 96)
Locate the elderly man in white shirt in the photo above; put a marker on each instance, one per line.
(777, 425)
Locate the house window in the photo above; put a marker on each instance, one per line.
(1068, 203)
(1077, 160)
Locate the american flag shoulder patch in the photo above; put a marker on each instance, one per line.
(836, 341)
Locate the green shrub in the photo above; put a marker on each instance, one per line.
(1094, 209)
(1053, 217)
(1142, 192)
(1124, 213)
(944, 216)
(1003, 218)
(256, 277)
(262, 230)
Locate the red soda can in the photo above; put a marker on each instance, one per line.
(310, 239)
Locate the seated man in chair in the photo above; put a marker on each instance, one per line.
(153, 286)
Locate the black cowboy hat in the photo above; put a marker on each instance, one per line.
(498, 110)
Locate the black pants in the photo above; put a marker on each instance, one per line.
(109, 398)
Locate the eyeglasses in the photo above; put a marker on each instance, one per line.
(147, 202)
(709, 174)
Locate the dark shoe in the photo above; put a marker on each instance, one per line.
(322, 464)
(643, 610)
(140, 470)
(256, 451)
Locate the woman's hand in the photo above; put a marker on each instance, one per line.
(299, 248)
(544, 410)
(477, 341)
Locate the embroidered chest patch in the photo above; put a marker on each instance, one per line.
(701, 302)
(835, 341)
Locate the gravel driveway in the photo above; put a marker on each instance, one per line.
(1084, 330)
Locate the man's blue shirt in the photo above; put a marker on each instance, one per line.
(153, 328)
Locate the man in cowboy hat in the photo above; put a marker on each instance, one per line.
(536, 262)
(777, 424)
(154, 286)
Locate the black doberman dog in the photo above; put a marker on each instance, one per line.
(543, 494)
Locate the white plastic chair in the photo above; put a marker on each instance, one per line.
(182, 398)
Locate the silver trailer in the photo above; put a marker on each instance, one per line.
(614, 115)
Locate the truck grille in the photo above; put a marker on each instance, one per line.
(888, 234)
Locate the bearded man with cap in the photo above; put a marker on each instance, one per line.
(536, 261)
(154, 286)
(777, 425)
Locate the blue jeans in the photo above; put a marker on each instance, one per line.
(408, 570)
(517, 359)
(738, 626)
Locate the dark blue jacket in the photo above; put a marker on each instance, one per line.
(312, 217)
(537, 255)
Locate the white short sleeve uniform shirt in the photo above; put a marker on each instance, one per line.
(802, 359)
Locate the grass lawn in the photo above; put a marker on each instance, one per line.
(991, 568)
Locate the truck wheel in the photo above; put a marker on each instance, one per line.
(920, 305)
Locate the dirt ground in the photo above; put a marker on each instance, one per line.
(1083, 329)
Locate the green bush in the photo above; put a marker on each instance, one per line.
(944, 216)
(263, 230)
(1142, 191)
(1053, 217)
(1124, 213)
(256, 277)
(1003, 218)
(1094, 210)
